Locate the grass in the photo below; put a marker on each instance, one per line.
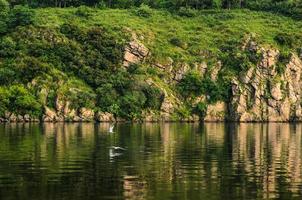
(206, 32)
(80, 69)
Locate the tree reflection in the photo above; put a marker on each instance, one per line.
(161, 161)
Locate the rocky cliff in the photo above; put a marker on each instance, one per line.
(264, 94)
(268, 90)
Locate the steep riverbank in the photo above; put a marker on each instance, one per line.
(82, 64)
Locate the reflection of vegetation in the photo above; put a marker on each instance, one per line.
(161, 162)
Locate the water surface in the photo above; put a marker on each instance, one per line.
(161, 161)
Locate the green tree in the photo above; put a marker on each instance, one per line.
(22, 102)
(4, 9)
(4, 100)
(21, 16)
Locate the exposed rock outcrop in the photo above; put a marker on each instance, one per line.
(268, 90)
(104, 117)
(216, 112)
(135, 52)
(264, 94)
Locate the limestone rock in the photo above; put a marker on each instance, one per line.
(215, 70)
(167, 106)
(104, 117)
(77, 119)
(216, 112)
(276, 92)
(180, 72)
(49, 115)
(167, 66)
(86, 114)
(261, 94)
(150, 116)
(135, 52)
(201, 68)
(59, 104)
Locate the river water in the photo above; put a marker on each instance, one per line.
(159, 161)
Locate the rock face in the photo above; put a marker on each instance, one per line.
(135, 52)
(216, 112)
(104, 117)
(264, 94)
(64, 112)
(271, 90)
(11, 117)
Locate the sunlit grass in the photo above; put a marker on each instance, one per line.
(207, 31)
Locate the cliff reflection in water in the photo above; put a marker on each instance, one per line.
(161, 161)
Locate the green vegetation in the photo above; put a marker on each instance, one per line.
(183, 7)
(17, 99)
(76, 55)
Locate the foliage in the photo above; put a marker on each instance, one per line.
(29, 67)
(4, 101)
(193, 85)
(21, 16)
(285, 39)
(4, 7)
(131, 104)
(83, 11)
(283, 59)
(154, 97)
(178, 42)
(143, 11)
(200, 109)
(3, 26)
(17, 99)
(185, 7)
(7, 47)
(77, 54)
(7, 76)
(187, 12)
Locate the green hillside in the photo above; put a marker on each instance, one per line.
(50, 57)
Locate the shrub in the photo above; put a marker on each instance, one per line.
(30, 67)
(4, 7)
(3, 26)
(84, 11)
(22, 102)
(200, 109)
(144, 11)
(154, 97)
(285, 39)
(177, 42)
(212, 90)
(4, 101)
(106, 96)
(135, 69)
(187, 12)
(191, 84)
(72, 31)
(132, 104)
(7, 76)
(21, 16)
(283, 59)
(183, 112)
(7, 47)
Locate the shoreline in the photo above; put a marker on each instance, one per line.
(149, 122)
